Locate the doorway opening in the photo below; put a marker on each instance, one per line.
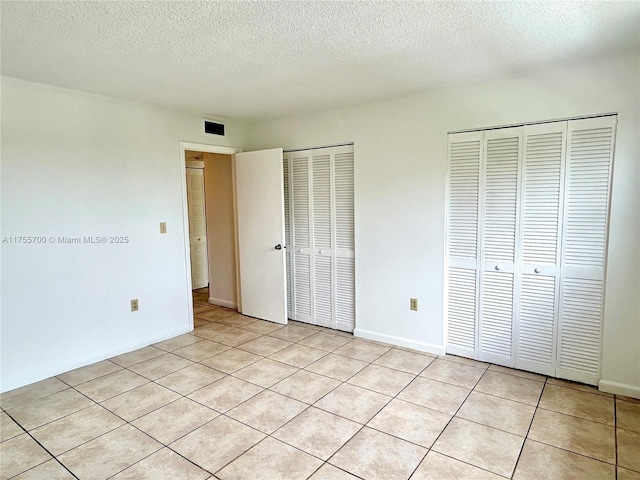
(210, 206)
(248, 195)
(209, 226)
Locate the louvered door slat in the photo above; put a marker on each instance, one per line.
(496, 315)
(587, 186)
(195, 197)
(541, 196)
(345, 294)
(581, 325)
(461, 308)
(321, 201)
(588, 166)
(323, 291)
(300, 190)
(302, 286)
(464, 176)
(502, 157)
(199, 270)
(536, 335)
(344, 208)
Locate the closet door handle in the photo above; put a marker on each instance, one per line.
(537, 269)
(300, 251)
(278, 247)
(498, 267)
(320, 252)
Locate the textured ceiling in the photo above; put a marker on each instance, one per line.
(252, 59)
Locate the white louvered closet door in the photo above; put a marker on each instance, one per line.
(539, 237)
(544, 193)
(587, 190)
(344, 257)
(319, 217)
(301, 235)
(197, 228)
(323, 288)
(461, 279)
(499, 213)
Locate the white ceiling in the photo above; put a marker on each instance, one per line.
(253, 59)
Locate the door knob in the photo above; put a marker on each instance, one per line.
(321, 252)
(498, 267)
(278, 247)
(537, 269)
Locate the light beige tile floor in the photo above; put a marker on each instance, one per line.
(240, 398)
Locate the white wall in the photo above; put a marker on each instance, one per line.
(80, 164)
(400, 155)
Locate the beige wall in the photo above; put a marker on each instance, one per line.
(221, 248)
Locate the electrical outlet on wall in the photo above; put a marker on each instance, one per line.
(134, 305)
(413, 304)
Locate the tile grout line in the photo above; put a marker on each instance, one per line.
(126, 422)
(167, 445)
(566, 449)
(308, 406)
(53, 457)
(373, 416)
(447, 425)
(394, 397)
(160, 449)
(130, 423)
(529, 429)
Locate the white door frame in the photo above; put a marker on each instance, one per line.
(198, 147)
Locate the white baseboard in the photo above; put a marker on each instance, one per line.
(619, 388)
(222, 303)
(399, 341)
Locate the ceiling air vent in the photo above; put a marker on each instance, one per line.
(214, 128)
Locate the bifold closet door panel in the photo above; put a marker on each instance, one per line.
(287, 234)
(502, 152)
(323, 285)
(320, 236)
(344, 241)
(587, 191)
(540, 235)
(197, 228)
(301, 236)
(461, 277)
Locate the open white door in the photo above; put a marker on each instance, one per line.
(260, 226)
